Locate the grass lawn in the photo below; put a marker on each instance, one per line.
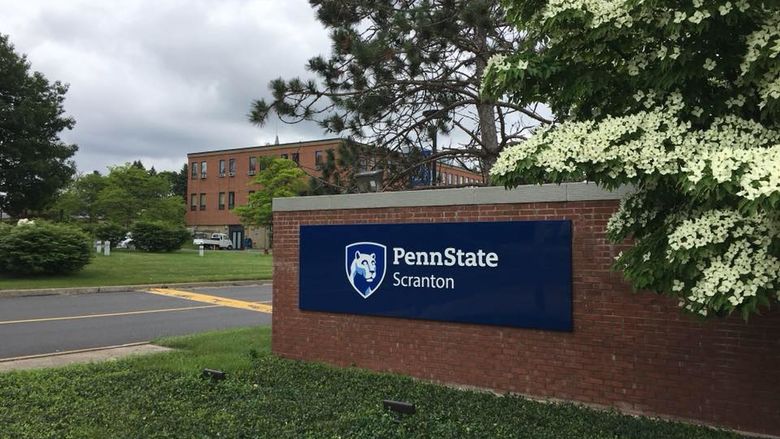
(135, 267)
(265, 396)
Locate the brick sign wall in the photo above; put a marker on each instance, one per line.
(634, 352)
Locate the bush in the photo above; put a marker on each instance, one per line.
(43, 248)
(110, 232)
(157, 236)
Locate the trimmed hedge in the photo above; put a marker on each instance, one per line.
(154, 236)
(43, 248)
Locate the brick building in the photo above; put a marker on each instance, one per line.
(222, 179)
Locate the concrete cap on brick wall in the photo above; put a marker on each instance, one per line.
(452, 197)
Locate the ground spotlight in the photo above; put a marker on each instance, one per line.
(399, 407)
(213, 374)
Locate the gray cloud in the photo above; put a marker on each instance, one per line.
(154, 80)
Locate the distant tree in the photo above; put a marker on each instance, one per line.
(277, 178)
(34, 162)
(80, 199)
(391, 61)
(178, 181)
(131, 193)
(168, 209)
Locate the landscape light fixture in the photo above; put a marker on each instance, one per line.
(399, 407)
(370, 181)
(213, 374)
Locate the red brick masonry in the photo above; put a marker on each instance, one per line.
(636, 352)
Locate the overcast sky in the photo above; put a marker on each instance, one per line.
(153, 80)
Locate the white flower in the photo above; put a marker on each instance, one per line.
(709, 64)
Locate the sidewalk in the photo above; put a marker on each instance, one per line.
(121, 288)
(80, 356)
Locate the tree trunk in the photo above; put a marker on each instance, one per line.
(485, 110)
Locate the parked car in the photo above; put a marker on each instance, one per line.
(217, 241)
(127, 242)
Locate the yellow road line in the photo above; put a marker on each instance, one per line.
(216, 300)
(113, 314)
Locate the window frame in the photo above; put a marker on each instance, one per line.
(252, 165)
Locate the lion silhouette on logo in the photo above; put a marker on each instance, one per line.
(364, 265)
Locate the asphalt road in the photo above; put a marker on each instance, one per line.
(50, 324)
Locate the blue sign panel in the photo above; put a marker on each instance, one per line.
(493, 273)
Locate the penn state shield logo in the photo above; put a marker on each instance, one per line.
(366, 264)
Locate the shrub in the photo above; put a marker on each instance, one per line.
(88, 228)
(110, 232)
(157, 236)
(43, 248)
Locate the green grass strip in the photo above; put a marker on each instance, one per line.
(136, 267)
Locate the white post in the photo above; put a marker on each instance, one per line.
(98, 247)
(107, 248)
(200, 250)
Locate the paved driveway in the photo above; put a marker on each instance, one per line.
(58, 323)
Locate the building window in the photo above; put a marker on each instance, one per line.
(259, 164)
(296, 157)
(231, 200)
(449, 179)
(193, 202)
(318, 159)
(460, 179)
(202, 201)
(202, 169)
(284, 156)
(221, 201)
(232, 167)
(252, 165)
(194, 170)
(221, 168)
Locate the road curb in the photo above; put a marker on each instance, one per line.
(122, 288)
(80, 356)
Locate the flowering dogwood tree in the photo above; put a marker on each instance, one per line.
(678, 99)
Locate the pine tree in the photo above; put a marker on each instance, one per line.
(391, 61)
